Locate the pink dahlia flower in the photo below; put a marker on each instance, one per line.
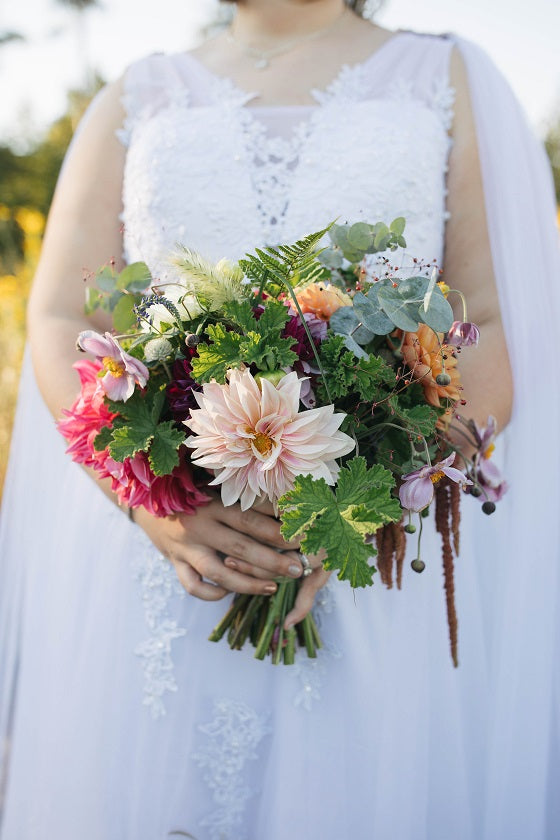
(121, 372)
(417, 490)
(88, 415)
(257, 441)
(135, 485)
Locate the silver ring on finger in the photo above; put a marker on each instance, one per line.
(307, 570)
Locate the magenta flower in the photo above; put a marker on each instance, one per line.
(120, 372)
(417, 490)
(463, 334)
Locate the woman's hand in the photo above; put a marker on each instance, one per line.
(254, 550)
(309, 587)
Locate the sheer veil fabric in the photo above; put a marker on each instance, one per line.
(118, 719)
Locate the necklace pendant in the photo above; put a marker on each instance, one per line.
(262, 63)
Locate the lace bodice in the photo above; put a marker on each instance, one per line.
(206, 169)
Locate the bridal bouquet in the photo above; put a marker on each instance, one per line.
(319, 378)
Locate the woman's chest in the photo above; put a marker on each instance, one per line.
(216, 178)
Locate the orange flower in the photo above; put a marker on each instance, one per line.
(321, 300)
(422, 355)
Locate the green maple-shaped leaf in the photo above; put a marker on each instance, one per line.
(215, 358)
(338, 519)
(344, 374)
(128, 440)
(164, 455)
(418, 420)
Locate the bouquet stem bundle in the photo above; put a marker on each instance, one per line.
(260, 619)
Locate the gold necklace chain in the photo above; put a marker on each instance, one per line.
(262, 57)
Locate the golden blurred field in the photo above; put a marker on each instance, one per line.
(14, 290)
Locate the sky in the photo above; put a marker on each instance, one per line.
(34, 75)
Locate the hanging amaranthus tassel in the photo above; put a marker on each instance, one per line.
(455, 491)
(400, 550)
(385, 551)
(443, 514)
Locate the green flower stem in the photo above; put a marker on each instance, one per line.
(315, 632)
(238, 603)
(242, 631)
(290, 648)
(271, 621)
(308, 637)
(289, 597)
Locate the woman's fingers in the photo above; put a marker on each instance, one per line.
(257, 523)
(241, 547)
(211, 575)
(306, 596)
(292, 558)
(193, 583)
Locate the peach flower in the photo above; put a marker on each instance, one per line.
(321, 300)
(423, 356)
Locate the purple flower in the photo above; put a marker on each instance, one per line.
(487, 475)
(417, 490)
(121, 372)
(463, 334)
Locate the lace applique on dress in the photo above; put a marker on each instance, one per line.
(440, 99)
(310, 673)
(158, 584)
(233, 737)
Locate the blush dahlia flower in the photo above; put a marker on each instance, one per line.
(121, 372)
(255, 439)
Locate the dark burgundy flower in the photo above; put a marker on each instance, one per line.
(180, 391)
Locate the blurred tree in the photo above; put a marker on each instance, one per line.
(28, 180)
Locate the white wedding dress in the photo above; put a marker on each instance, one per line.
(120, 721)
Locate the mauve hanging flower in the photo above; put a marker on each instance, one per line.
(417, 490)
(252, 435)
(463, 334)
(487, 474)
(121, 372)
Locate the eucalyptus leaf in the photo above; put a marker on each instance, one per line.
(106, 280)
(331, 258)
(439, 315)
(93, 300)
(124, 316)
(371, 315)
(136, 277)
(354, 347)
(398, 225)
(430, 289)
(352, 254)
(403, 314)
(345, 322)
(339, 235)
(360, 236)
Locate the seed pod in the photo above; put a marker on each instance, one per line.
(443, 379)
(418, 565)
(488, 507)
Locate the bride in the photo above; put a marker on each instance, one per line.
(119, 720)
